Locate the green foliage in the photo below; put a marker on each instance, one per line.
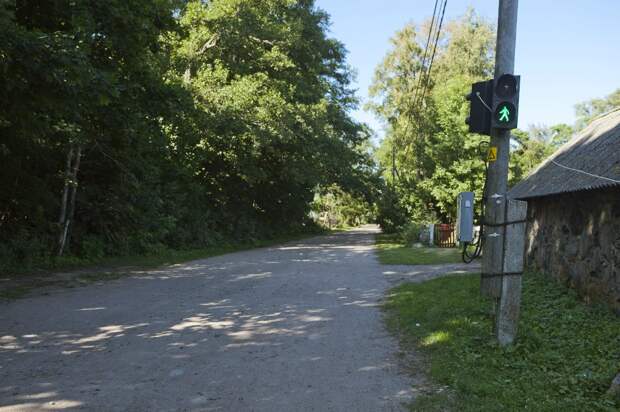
(333, 207)
(434, 156)
(92, 248)
(530, 149)
(394, 250)
(391, 214)
(428, 156)
(565, 357)
(589, 110)
(410, 234)
(197, 121)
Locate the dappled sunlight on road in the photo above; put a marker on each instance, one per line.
(201, 322)
(213, 326)
(219, 326)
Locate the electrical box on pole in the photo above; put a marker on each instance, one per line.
(480, 101)
(465, 217)
(506, 102)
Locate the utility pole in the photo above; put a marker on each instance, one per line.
(504, 219)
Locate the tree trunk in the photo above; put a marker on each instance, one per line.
(63, 203)
(65, 192)
(68, 197)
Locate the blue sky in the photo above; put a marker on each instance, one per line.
(568, 51)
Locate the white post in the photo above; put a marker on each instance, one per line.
(431, 234)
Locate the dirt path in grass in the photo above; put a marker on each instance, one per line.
(420, 273)
(291, 327)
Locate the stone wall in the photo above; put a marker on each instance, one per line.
(576, 238)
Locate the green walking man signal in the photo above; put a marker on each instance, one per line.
(494, 104)
(506, 101)
(504, 114)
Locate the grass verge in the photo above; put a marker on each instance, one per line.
(18, 284)
(565, 358)
(392, 251)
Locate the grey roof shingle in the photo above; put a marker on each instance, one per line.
(595, 150)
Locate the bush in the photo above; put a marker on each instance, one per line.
(391, 215)
(411, 232)
(24, 251)
(92, 248)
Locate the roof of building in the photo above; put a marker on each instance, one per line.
(590, 160)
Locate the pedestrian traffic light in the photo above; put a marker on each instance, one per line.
(480, 99)
(505, 102)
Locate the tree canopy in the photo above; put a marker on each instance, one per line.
(132, 126)
(428, 156)
(589, 110)
(128, 127)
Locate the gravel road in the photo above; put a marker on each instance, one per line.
(289, 328)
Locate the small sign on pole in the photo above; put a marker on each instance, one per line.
(492, 154)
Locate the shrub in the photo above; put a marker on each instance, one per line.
(411, 232)
(92, 248)
(391, 215)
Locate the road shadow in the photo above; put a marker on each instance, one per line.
(209, 335)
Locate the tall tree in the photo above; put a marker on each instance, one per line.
(277, 98)
(434, 155)
(133, 126)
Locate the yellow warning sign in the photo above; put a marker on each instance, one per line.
(492, 154)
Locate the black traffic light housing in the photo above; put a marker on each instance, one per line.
(494, 104)
(481, 99)
(505, 102)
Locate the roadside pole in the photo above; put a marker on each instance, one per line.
(502, 263)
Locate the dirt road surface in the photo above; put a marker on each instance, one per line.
(295, 327)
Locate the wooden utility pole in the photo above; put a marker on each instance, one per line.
(502, 263)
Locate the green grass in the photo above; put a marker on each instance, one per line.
(19, 283)
(162, 257)
(564, 360)
(170, 257)
(15, 292)
(392, 251)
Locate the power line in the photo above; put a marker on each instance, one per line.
(423, 66)
(423, 79)
(430, 66)
(584, 172)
